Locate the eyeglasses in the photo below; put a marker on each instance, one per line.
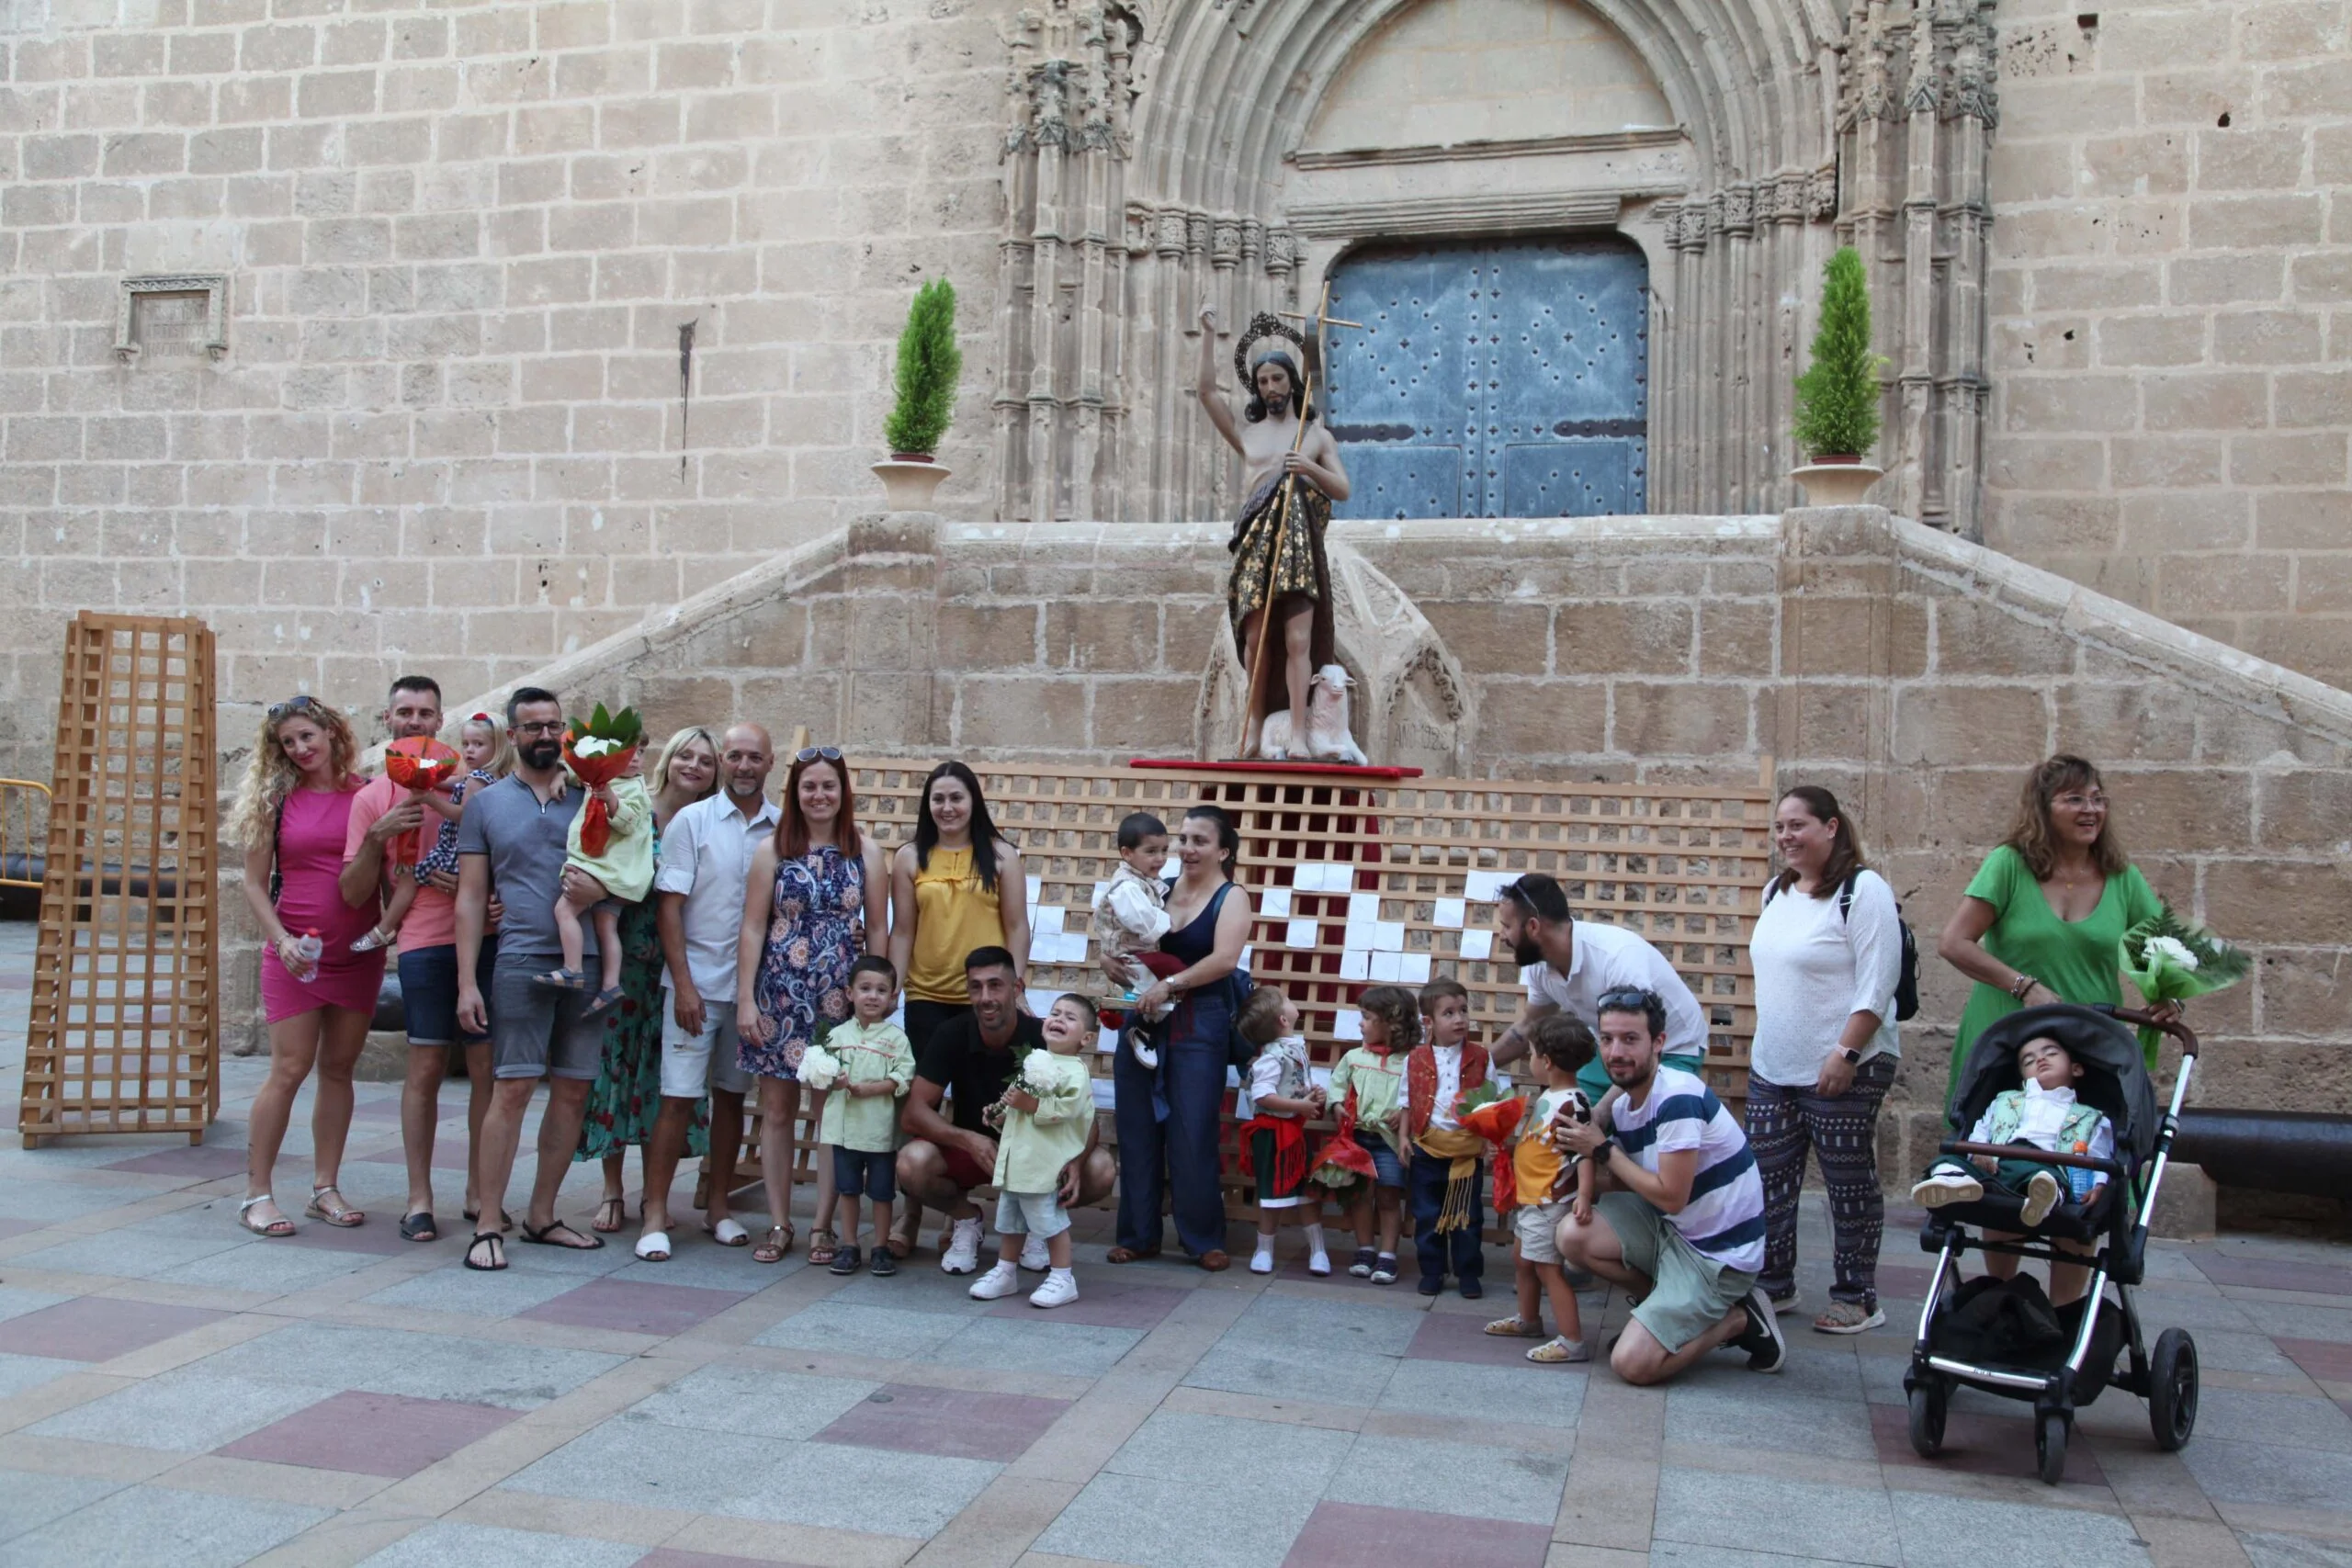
(541, 726)
(1627, 998)
(302, 703)
(811, 753)
(2091, 802)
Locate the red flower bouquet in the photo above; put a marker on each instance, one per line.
(597, 750)
(1494, 1116)
(417, 764)
(1343, 1165)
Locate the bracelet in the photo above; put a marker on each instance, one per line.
(2021, 985)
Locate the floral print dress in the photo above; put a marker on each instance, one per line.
(816, 932)
(627, 1095)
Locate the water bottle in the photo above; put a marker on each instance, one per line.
(309, 948)
(2079, 1181)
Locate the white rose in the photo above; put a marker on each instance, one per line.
(595, 748)
(2172, 950)
(819, 1068)
(1037, 1074)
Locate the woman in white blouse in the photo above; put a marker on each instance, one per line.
(1827, 951)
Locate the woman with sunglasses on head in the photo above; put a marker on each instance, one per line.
(293, 815)
(627, 1095)
(2043, 919)
(817, 900)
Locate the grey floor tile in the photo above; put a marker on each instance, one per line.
(919, 1286)
(861, 1329)
(2237, 1414)
(139, 1527)
(1939, 1531)
(28, 1501)
(15, 1301)
(756, 1403)
(445, 1541)
(1531, 1396)
(709, 1267)
(1247, 1527)
(2222, 1349)
(1020, 1345)
(1757, 1415)
(190, 1409)
(1231, 1455)
(2292, 1320)
(280, 1271)
(1452, 1478)
(419, 1365)
(455, 1288)
(1796, 1518)
(116, 1255)
(2191, 1309)
(1314, 1374)
(18, 1373)
(2268, 1473)
(2268, 1549)
(1327, 1323)
(1682, 1554)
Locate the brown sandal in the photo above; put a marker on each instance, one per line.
(611, 1214)
(820, 1247)
(1130, 1255)
(779, 1243)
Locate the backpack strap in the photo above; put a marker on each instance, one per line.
(1846, 896)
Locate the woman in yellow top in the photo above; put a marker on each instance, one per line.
(959, 886)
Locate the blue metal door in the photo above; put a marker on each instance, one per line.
(1506, 379)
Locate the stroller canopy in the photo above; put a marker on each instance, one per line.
(2114, 1079)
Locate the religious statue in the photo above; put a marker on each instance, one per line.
(1280, 574)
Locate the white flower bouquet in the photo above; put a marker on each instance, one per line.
(819, 1068)
(2170, 961)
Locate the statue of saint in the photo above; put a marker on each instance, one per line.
(1292, 466)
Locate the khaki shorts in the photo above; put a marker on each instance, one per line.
(1537, 1226)
(1690, 1293)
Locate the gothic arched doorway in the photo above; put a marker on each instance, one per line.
(1498, 379)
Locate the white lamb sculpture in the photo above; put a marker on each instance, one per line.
(1329, 734)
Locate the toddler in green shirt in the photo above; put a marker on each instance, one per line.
(866, 1062)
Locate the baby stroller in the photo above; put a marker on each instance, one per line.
(2067, 1365)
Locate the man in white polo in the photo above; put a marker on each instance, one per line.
(1572, 963)
(705, 860)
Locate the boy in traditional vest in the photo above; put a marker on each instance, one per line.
(1444, 1177)
(2044, 1114)
(1276, 1100)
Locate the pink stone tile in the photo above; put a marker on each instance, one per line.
(380, 1235)
(98, 1329)
(2224, 1268)
(1105, 1306)
(669, 1557)
(204, 1160)
(1345, 1535)
(371, 1434)
(945, 1421)
(2322, 1359)
(1463, 1336)
(9, 1227)
(448, 1153)
(385, 1110)
(1977, 1445)
(634, 1308)
(1905, 1281)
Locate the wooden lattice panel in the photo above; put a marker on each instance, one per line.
(125, 1016)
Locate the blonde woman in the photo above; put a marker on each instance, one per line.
(627, 1095)
(293, 815)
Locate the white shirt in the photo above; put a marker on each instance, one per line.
(1449, 1084)
(1815, 969)
(1607, 957)
(706, 854)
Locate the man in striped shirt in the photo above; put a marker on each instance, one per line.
(1680, 1222)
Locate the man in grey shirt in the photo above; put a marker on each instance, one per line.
(514, 836)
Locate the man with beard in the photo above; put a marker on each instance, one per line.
(1571, 964)
(512, 837)
(1680, 1220)
(966, 1063)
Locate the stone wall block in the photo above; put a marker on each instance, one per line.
(2276, 901)
(1665, 720)
(1520, 721)
(1634, 636)
(1502, 638)
(1984, 638)
(1974, 724)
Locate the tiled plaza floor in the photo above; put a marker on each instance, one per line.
(175, 1392)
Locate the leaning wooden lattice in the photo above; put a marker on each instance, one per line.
(124, 1035)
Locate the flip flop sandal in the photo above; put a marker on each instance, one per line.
(419, 1226)
(820, 1247)
(340, 1215)
(545, 1237)
(615, 1210)
(779, 1243)
(1556, 1350)
(497, 1254)
(277, 1229)
(1515, 1327)
(561, 980)
(602, 1001)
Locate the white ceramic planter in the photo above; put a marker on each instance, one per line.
(908, 487)
(1835, 484)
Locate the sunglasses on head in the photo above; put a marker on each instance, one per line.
(292, 705)
(811, 753)
(1627, 998)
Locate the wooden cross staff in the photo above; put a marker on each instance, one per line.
(1251, 675)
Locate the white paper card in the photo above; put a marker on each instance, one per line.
(1355, 963)
(1448, 914)
(1100, 889)
(1387, 967)
(1274, 903)
(1303, 933)
(1413, 968)
(1073, 947)
(1172, 866)
(1483, 885)
(1105, 1093)
(1388, 936)
(1047, 921)
(1041, 1003)
(1363, 907)
(1037, 884)
(1477, 945)
(1348, 1026)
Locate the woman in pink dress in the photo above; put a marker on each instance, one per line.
(291, 816)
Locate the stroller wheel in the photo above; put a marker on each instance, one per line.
(2049, 1445)
(1929, 1402)
(2172, 1388)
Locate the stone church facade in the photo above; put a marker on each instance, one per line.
(466, 336)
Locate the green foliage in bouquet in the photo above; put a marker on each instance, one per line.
(930, 368)
(624, 728)
(2170, 961)
(1838, 395)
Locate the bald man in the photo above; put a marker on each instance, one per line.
(706, 859)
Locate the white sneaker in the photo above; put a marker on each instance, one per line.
(1035, 1256)
(997, 1283)
(1060, 1289)
(962, 1254)
(1319, 1263)
(2042, 1195)
(1947, 1186)
(1262, 1260)
(1146, 1057)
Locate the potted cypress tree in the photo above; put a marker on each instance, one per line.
(1837, 421)
(930, 367)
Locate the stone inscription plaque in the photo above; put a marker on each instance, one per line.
(170, 326)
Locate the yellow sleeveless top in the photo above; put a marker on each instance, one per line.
(954, 914)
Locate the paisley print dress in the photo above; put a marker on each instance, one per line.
(815, 933)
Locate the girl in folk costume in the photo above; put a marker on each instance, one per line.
(1276, 1101)
(1369, 1085)
(1445, 1173)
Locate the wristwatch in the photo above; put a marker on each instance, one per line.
(1851, 1055)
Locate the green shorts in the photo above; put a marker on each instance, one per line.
(1690, 1293)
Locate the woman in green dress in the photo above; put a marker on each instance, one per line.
(2045, 917)
(627, 1095)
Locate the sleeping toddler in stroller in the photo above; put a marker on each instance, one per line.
(2043, 1114)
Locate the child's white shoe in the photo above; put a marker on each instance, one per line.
(1947, 1186)
(997, 1283)
(1262, 1260)
(1319, 1260)
(1146, 1057)
(2042, 1195)
(962, 1253)
(1060, 1289)
(1035, 1256)
(375, 939)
